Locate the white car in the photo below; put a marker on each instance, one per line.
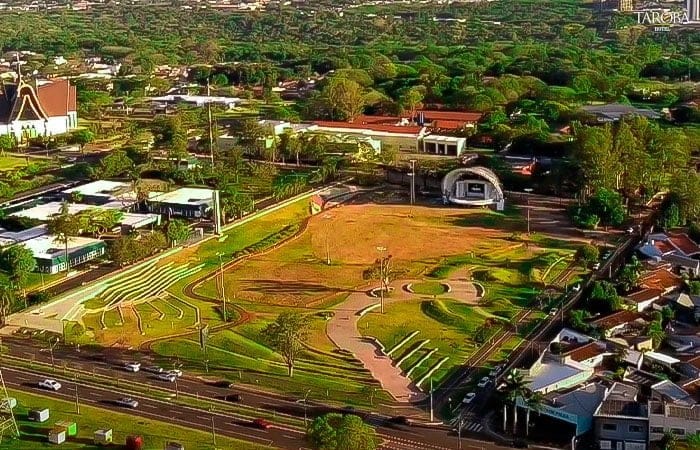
(577, 287)
(50, 384)
(127, 402)
(596, 266)
(176, 372)
(483, 382)
(553, 312)
(469, 398)
(171, 377)
(133, 367)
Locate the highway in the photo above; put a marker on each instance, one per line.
(107, 362)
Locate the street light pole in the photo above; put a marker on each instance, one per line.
(223, 289)
(77, 400)
(383, 269)
(432, 415)
(460, 424)
(413, 181)
(305, 397)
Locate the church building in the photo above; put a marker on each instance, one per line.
(33, 108)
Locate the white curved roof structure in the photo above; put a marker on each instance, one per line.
(492, 195)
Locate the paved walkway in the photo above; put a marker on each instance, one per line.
(343, 331)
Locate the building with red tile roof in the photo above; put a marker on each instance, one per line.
(615, 322)
(644, 298)
(661, 278)
(35, 108)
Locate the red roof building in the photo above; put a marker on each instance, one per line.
(37, 108)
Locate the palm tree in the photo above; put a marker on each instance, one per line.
(7, 298)
(514, 388)
(64, 227)
(534, 401)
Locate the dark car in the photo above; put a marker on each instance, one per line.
(261, 424)
(400, 420)
(233, 398)
(221, 384)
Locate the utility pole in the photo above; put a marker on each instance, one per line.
(432, 415)
(211, 131)
(77, 400)
(413, 181)
(383, 274)
(460, 424)
(305, 397)
(213, 431)
(223, 289)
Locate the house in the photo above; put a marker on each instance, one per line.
(617, 322)
(185, 202)
(644, 298)
(679, 419)
(50, 256)
(688, 303)
(568, 362)
(392, 131)
(621, 421)
(661, 278)
(668, 391)
(34, 108)
(677, 249)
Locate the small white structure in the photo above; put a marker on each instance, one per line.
(102, 191)
(443, 145)
(197, 100)
(185, 202)
(57, 436)
(103, 436)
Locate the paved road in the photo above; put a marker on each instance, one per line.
(224, 424)
(109, 362)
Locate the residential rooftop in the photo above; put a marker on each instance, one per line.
(49, 247)
(183, 196)
(103, 188)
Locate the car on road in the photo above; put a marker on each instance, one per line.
(221, 384)
(484, 382)
(553, 312)
(577, 287)
(176, 372)
(630, 230)
(132, 367)
(469, 398)
(153, 369)
(126, 402)
(50, 384)
(233, 398)
(596, 266)
(261, 424)
(400, 420)
(170, 377)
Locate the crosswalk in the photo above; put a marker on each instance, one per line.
(474, 427)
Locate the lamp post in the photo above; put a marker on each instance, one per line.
(223, 289)
(327, 217)
(305, 397)
(383, 275)
(528, 190)
(413, 181)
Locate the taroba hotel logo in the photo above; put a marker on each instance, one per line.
(663, 17)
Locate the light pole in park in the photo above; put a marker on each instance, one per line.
(383, 276)
(221, 281)
(327, 218)
(305, 397)
(413, 181)
(528, 191)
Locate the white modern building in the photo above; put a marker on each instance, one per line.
(473, 186)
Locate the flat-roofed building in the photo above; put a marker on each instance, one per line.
(50, 253)
(184, 202)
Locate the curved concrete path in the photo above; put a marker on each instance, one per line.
(343, 331)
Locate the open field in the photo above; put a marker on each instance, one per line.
(10, 162)
(430, 245)
(155, 434)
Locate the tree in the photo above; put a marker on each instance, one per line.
(177, 231)
(18, 261)
(534, 402)
(577, 320)
(63, 226)
(99, 221)
(411, 99)
(115, 164)
(287, 335)
(335, 431)
(344, 98)
(7, 143)
(514, 389)
(693, 441)
(587, 254)
(630, 273)
(604, 298)
(7, 300)
(82, 137)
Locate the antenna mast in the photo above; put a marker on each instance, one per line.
(7, 417)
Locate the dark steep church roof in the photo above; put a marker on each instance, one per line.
(36, 102)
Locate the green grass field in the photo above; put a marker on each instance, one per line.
(155, 434)
(10, 162)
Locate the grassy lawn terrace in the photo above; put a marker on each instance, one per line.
(429, 288)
